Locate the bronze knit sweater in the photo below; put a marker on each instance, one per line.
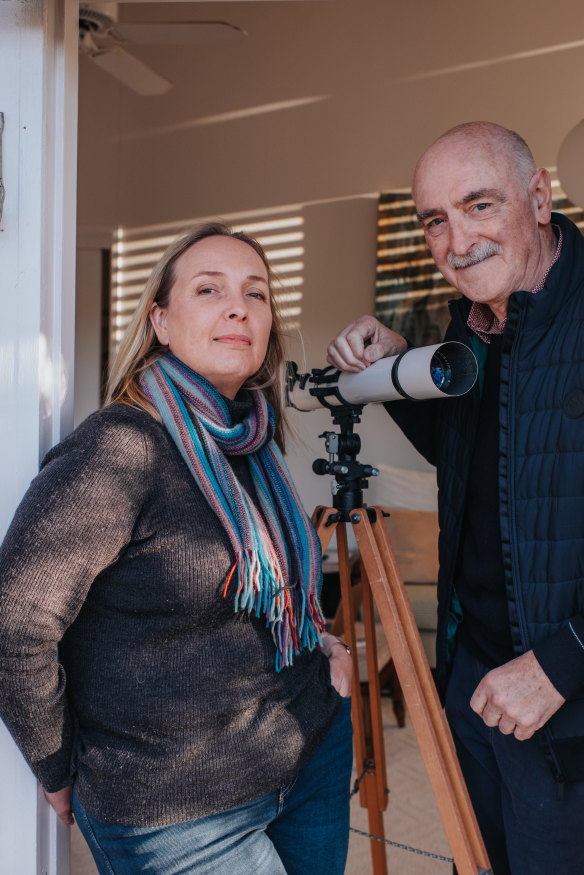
(165, 704)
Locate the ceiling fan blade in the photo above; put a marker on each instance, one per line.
(131, 72)
(180, 33)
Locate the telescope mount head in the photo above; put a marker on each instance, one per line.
(349, 475)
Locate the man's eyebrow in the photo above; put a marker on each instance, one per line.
(494, 194)
(428, 214)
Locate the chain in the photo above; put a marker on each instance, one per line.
(402, 847)
(368, 770)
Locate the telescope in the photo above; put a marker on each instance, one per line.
(445, 370)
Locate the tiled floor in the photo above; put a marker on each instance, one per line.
(411, 817)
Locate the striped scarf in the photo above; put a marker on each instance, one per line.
(277, 570)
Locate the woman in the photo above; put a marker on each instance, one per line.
(198, 709)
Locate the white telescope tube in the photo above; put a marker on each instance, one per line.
(443, 370)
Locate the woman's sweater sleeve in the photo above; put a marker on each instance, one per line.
(75, 519)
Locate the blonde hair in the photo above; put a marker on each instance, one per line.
(140, 347)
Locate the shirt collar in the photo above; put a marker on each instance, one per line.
(481, 318)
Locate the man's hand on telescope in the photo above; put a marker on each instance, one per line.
(363, 342)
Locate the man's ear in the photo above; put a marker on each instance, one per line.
(158, 319)
(541, 192)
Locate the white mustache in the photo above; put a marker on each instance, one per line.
(478, 253)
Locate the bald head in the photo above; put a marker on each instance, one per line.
(502, 144)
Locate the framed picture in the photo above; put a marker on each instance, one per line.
(411, 295)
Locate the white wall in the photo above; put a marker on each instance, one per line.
(320, 100)
(38, 95)
(88, 306)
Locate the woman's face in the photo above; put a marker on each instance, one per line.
(218, 318)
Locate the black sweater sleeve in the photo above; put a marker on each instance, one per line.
(73, 522)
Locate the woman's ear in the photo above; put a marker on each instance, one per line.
(158, 319)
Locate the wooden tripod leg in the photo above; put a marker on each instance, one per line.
(427, 716)
(374, 692)
(372, 789)
(325, 525)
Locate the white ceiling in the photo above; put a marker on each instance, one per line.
(323, 99)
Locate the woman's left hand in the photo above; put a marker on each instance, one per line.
(341, 663)
(61, 802)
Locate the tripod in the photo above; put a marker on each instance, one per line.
(382, 586)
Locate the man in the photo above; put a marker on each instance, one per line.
(510, 468)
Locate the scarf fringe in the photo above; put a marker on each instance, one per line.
(260, 591)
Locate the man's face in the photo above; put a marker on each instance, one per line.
(480, 220)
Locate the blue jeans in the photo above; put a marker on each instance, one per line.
(526, 827)
(302, 829)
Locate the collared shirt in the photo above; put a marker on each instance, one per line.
(481, 318)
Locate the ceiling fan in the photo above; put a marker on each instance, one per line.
(105, 42)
